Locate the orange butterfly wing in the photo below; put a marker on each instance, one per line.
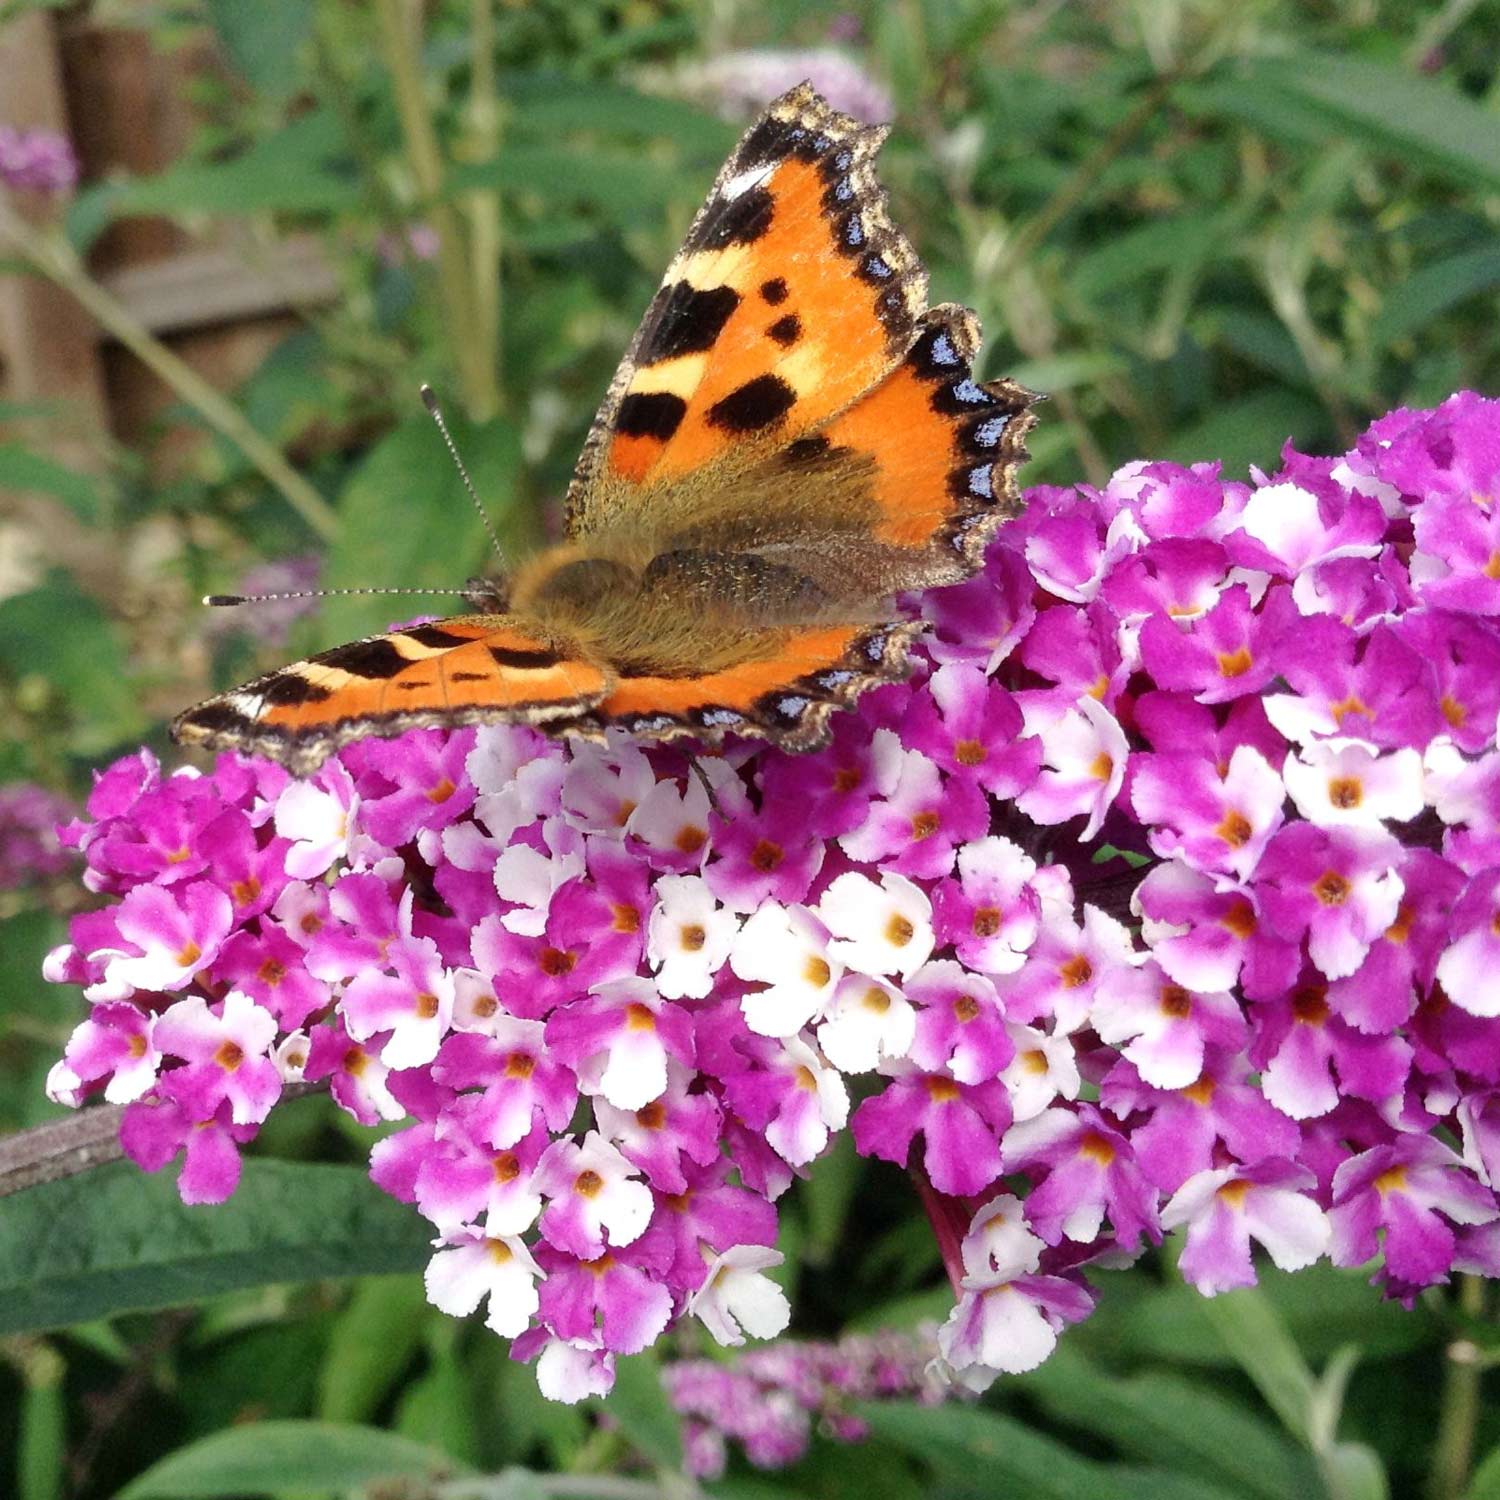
(465, 670)
(792, 294)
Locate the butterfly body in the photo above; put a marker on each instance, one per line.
(792, 440)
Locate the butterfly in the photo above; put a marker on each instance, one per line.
(793, 439)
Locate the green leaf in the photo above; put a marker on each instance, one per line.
(639, 1404)
(439, 1407)
(259, 39)
(1355, 1472)
(1485, 1484)
(1263, 1347)
(1394, 110)
(1248, 431)
(22, 468)
(1324, 1308)
(373, 1339)
(56, 632)
(1167, 1419)
(1432, 290)
(287, 1457)
(30, 1012)
(982, 1451)
(130, 1244)
(827, 1196)
(405, 521)
(297, 169)
(548, 106)
(626, 186)
(41, 1442)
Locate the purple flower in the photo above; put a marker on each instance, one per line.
(30, 848)
(1416, 1190)
(742, 82)
(38, 161)
(1225, 1209)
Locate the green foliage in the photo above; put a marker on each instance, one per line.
(129, 1244)
(287, 1458)
(1204, 228)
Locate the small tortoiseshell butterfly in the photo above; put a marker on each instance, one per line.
(793, 438)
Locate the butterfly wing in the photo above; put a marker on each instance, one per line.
(793, 293)
(471, 669)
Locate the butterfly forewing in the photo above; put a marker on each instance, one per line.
(465, 670)
(792, 294)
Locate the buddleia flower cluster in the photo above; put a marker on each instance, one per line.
(1164, 895)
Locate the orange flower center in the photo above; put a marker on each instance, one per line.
(1235, 663)
(1078, 970)
(766, 856)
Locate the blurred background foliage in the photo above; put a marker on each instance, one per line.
(1202, 227)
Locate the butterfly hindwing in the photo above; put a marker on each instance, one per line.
(785, 692)
(466, 670)
(942, 448)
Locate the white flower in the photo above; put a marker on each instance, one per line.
(571, 1370)
(528, 876)
(1284, 518)
(604, 786)
(736, 1298)
(867, 1021)
(1458, 788)
(878, 929)
(476, 1007)
(316, 815)
(786, 949)
(688, 937)
(1044, 1068)
(631, 1068)
(594, 1196)
(998, 1242)
(1342, 781)
(673, 820)
(818, 1105)
(995, 1329)
(1084, 752)
(290, 1056)
(470, 1269)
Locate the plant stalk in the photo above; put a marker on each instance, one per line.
(1458, 1417)
(51, 256)
(400, 26)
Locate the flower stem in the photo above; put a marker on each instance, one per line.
(1458, 1418)
(77, 1143)
(481, 143)
(54, 258)
(400, 25)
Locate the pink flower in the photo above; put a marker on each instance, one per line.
(1417, 1190)
(1225, 1209)
(225, 1057)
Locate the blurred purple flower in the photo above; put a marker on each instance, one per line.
(29, 846)
(36, 160)
(272, 621)
(741, 83)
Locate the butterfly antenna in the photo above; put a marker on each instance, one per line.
(228, 601)
(430, 401)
